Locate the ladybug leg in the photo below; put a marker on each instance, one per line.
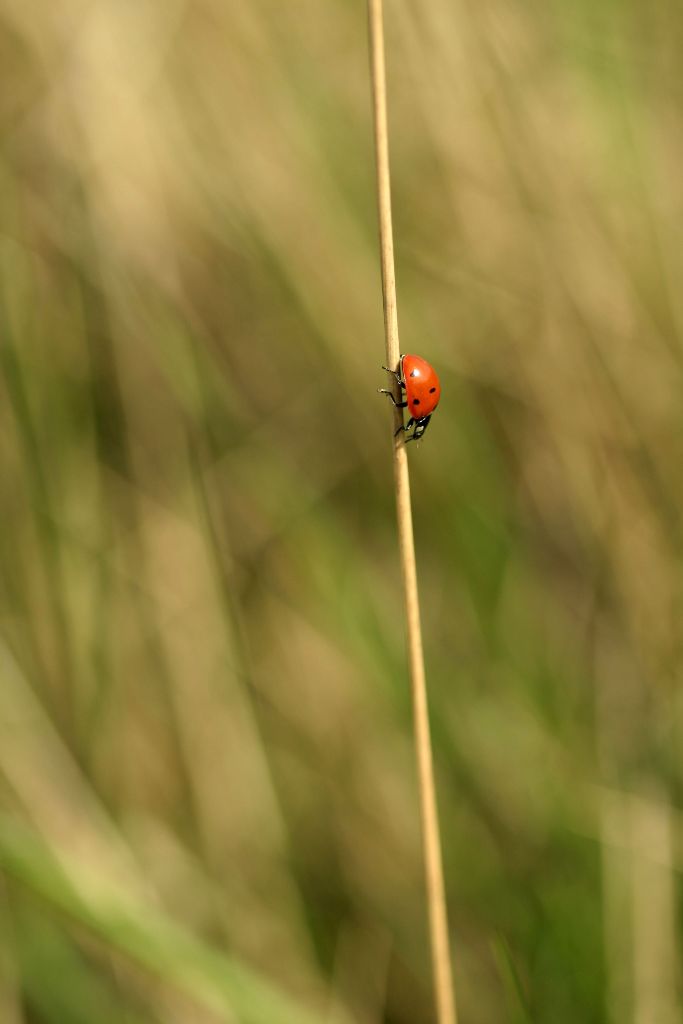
(397, 375)
(399, 405)
(420, 427)
(406, 427)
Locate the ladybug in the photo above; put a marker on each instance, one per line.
(419, 381)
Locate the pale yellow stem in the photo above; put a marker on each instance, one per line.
(438, 921)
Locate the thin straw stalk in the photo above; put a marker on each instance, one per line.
(438, 922)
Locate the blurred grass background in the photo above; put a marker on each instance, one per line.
(207, 796)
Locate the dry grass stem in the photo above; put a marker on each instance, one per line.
(438, 921)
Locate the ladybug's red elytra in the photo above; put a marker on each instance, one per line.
(419, 381)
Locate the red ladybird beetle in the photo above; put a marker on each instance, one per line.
(419, 381)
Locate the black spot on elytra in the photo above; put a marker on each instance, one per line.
(416, 401)
(432, 390)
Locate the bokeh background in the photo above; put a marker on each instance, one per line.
(208, 809)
